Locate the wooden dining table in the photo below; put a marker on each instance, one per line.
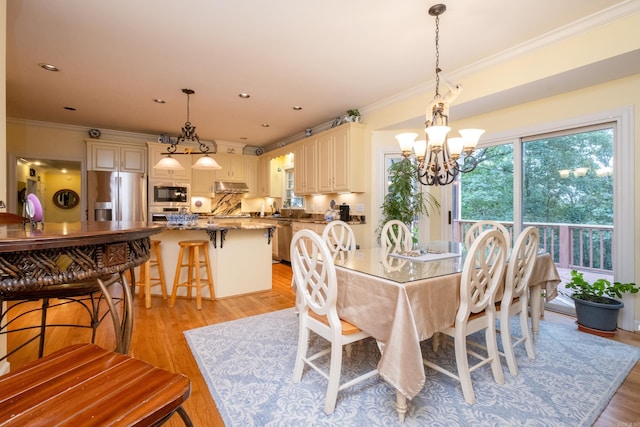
(34, 258)
(403, 300)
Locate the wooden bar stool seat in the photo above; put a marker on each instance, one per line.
(89, 386)
(146, 280)
(194, 265)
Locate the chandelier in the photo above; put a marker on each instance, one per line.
(188, 134)
(441, 159)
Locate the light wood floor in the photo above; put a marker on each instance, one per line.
(158, 339)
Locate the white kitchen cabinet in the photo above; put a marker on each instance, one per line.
(202, 179)
(264, 176)
(304, 159)
(116, 157)
(251, 175)
(339, 150)
(156, 152)
(233, 167)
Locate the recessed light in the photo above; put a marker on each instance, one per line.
(265, 125)
(70, 108)
(297, 107)
(49, 67)
(244, 95)
(243, 137)
(158, 100)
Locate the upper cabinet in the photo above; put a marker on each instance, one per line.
(156, 152)
(263, 181)
(115, 156)
(334, 163)
(251, 175)
(233, 167)
(202, 179)
(305, 177)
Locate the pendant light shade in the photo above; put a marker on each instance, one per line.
(206, 162)
(169, 163)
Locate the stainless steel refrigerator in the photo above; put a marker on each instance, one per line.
(116, 196)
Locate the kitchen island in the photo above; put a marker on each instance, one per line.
(239, 251)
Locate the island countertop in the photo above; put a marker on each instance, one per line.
(225, 224)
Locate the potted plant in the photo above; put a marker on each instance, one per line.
(596, 306)
(352, 116)
(404, 201)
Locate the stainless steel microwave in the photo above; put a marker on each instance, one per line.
(170, 194)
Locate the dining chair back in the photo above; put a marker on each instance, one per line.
(474, 231)
(515, 299)
(482, 274)
(339, 237)
(396, 236)
(315, 278)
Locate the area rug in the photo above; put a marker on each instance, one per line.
(248, 366)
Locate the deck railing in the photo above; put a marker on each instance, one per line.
(572, 246)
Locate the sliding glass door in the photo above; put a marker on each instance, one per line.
(559, 182)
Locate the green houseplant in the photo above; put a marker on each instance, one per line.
(404, 201)
(596, 306)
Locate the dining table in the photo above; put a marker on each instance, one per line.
(34, 257)
(401, 299)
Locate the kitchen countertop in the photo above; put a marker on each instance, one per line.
(221, 224)
(305, 220)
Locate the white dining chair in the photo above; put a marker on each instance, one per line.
(339, 237)
(482, 274)
(396, 236)
(480, 226)
(515, 299)
(315, 277)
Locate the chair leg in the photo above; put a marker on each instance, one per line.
(492, 350)
(185, 417)
(462, 364)
(146, 267)
(526, 333)
(303, 345)
(334, 378)
(43, 326)
(507, 342)
(196, 256)
(160, 266)
(176, 279)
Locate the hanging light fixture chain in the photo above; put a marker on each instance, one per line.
(437, 55)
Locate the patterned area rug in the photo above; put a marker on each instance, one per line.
(248, 365)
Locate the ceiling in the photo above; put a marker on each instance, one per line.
(115, 57)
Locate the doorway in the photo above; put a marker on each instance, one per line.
(45, 178)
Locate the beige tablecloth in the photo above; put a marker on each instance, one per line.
(400, 315)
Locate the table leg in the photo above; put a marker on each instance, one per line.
(535, 302)
(401, 405)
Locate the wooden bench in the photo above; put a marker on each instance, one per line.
(89, 386)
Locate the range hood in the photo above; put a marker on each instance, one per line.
(230, 187)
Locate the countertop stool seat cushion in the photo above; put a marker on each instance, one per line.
(89, 386)
(147, 281)
(194, 265)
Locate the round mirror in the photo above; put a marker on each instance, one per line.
(66, 199)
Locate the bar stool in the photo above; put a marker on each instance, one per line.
(87, 385)
(146, 280)
(194, 267)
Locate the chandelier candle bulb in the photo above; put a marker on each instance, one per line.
(471, 137)
(420, 148)
(406, 142)
(455, 146)
(437, 135)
